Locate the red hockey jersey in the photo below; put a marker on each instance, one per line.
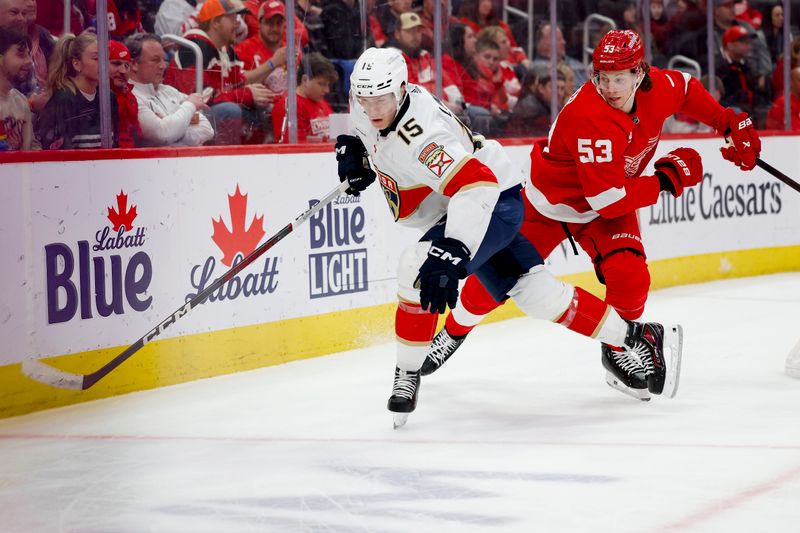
(594, 150)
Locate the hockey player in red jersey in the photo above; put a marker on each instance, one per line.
(463, 193)
(587, 184)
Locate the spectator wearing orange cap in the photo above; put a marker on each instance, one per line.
(237, 95)
(129, 134)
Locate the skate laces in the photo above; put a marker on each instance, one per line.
(405, 384)
(443, 345)
(629, 360)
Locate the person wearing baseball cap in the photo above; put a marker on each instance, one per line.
(129, 133)
(235, 93)
(737, 77)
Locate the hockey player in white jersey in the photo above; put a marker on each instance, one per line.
(463, 193)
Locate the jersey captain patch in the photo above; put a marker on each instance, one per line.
(434, 157)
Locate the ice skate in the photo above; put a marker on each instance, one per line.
(443, 346)
(625, 372)
(404, 395)
(659, 349)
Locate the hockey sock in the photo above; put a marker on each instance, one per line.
(414, 328)
(474, 303)
(592, 317)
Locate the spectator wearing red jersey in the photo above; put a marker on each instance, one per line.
(507, 68)
(776, 112)
(420, 63)
(314, 79)
(129, 134)
(237, 95)
(252, 19)
(267, 46)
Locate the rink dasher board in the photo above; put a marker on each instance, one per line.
(75, 287)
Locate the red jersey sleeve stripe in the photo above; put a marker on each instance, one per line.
(470, 172)
(410, 200)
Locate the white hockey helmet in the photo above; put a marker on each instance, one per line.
(379, 71)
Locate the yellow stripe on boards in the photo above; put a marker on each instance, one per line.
(182, 359)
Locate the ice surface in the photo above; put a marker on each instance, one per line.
(517, 432)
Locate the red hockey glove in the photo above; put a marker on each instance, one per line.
(680, 168)
(744, 146)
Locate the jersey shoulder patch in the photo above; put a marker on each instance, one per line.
(436, 159)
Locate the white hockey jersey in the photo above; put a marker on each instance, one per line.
(427, 159)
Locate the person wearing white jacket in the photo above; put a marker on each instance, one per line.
(167, 116)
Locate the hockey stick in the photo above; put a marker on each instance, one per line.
(778, 174)
(44, 373)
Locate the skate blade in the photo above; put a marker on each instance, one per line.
(639, 394)
(673, 344)
(400, 420)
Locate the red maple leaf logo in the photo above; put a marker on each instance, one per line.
(122, 216)
(237, 239)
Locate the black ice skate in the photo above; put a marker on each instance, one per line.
(659, 349)
(443, 346)
(625, 372)
(404, 395)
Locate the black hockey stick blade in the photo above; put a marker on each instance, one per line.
(44, 373)
(766, 167)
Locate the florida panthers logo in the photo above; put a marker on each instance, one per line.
(391, 192)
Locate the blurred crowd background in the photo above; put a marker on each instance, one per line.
(142, 73)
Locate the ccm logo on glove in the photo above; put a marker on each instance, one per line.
(444, 255)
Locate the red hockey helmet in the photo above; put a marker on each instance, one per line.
(618, 50)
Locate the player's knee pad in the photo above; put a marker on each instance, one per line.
(408, 270)
(540, 295)
(627, 283)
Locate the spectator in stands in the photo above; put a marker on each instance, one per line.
(427, 15)
(129, 134)
(737, 79)
(462, 46)
(342, 23)
(388, 14)
(776, 115)
(758, 58)
(124, 18)
(660, 26)
(51, 16)
(15, 114)
(794, 60)
(237, 95)
(71, 118)
(42, 44)
(252, 21)
(314, 79)
(773, 31)
(375, 29)
(488, 103)
(12, 14)
(240, 31)
(420, 63)
(479, 14)
(508, 68)
(543, 53)
(167, 116)
(268, 44)
(310, 14)
(570, 85)
(172, 14)
(531, 115)
(623, 12)
(748, 14)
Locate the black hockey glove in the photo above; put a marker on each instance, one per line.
(353, 164)
(440, 273)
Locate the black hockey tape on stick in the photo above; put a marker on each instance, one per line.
(766, 167)
(44, 373)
